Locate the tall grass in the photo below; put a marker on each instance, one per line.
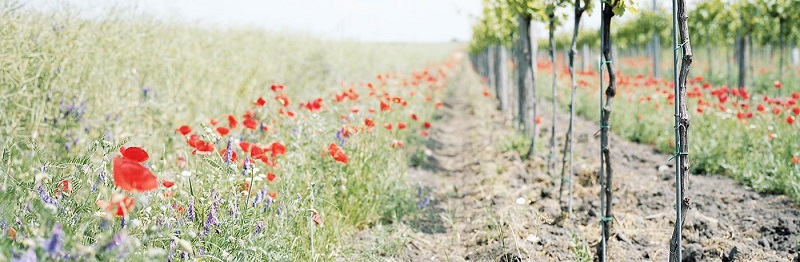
(72, 91)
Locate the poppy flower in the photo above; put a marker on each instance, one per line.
(136, 154)
(796, 110)
(232, 121)
(790, 119)
(272, 195)
(223, 152)
(121, 205)
(354, 110)
(337, 153)
(256, 152)
(397, 143)
(385, 106)
(424, 133)
(401, 125)
(795, 160)
(486, 93)
(271, 177)
(213, 122)
(388, 126)
(223, 131)
(778, 84)
(316, 217)
(776, 110)
(184, 130)
(277, 149)
(249, 123)
(64, 186)
(700, 110)
(760, 108)
(132, 176)
(414, 117)
(167, 183)
(203, 148)
(276, 87)
(315, 105)
(368, 122)
(12, 233)
(427, 125)
(260, 102)
(245, 146)
(439, 104)
(538, 120)
(282, 99)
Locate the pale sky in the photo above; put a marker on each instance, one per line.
(363, 20)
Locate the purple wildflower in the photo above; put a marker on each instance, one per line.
(190, 213)
(116, 241)
(423, 203)
(29, 256)
(53, 245)
(246, 166)
(259, 226)
(46, 198)
(340, 138)
(212, 214)
(229, 153)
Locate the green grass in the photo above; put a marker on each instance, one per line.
(72, 91)
(720, 143)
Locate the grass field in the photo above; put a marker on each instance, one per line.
(73, 91)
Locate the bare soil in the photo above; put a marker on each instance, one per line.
(479, 201)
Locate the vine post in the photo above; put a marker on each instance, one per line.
(681, 41)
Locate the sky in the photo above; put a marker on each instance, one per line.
(362, 20)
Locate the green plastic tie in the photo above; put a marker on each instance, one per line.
(605, 219)
(682, 44)
(565, 179)
(678, 154)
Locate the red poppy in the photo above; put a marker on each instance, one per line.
(778, 84)
(385, 106)
(249, 123)
(424, 133)
(315, 105)
(388, 126)
(760, 108)
(223, 131)
(232, 121)
(397, 143)
(133, 153)
(354, 110)
(795, 160)
(224, 152)
(790, 119)
(167, 183)
(426, 125)
(368, 122)
(538, 120)
(414, 117)
(486, 93)
(132, 176)
(260, 101)
(272, 195)
(271, 177)
(776, 110)
(184, 130)
(700, 110)
(796, 110)
(337, 153)
(276, 87)
(245, 146)
(64, 186)
(282, 99)
(121, 205)
(256, 152)
(401, 125)
(277, 149)
(203, 148)
(439, 104)
(213, 122)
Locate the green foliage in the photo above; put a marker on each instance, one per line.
(638, 31)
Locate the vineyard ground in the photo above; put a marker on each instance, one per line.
(486, 204)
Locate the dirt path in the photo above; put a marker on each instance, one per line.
(488, 205)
